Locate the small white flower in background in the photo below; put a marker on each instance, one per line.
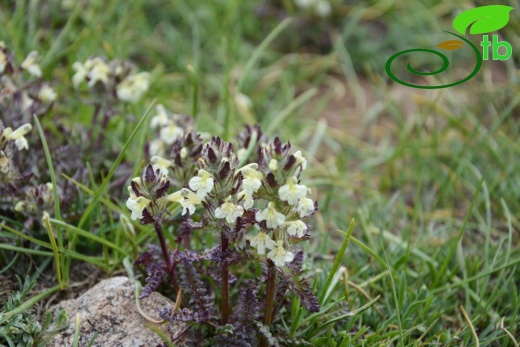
(98, 71)
(292, 192)
(273, 165)
(322, 8)
(244, 105)
(202, 183)
(30, 66)
(305, 207)
(300, 160)
(304, 3)
(18, 136)
(241, 154)
(161, 164)
(272, 217)
(186, 198)
(47, 94)
(261, 242)
(20, 206)
(156, 147)
(133, 87)
(229, 211)
(128, 227)
(161, 118)
(170, 132)
(137, 206)
(279, 255)
(27, 102)
(296, 228)
(80, 75)
(3, 61)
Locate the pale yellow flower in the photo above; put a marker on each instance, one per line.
(30, 66)
(27, 102)
(272, 217)
(279, 255)
(80, 75)
(252, 178)
(170, 132)
(186, 198)
(98, 71)
(161, 118)
(18, 136)
(133, 87)
(296, 228)
(157, 147)
(300, 160)
(229, 211)
(292, 192)
(47, 94)
(3, 61)
(202, 183)
(261, 242)
(305, 207)
(161, 164)
(137, 206)
(20, 206)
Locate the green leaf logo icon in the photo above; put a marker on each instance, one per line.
(482, 19)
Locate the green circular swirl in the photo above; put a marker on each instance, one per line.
(445, 65)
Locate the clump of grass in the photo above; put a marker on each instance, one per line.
(22, 327)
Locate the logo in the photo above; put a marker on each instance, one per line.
(479, 20)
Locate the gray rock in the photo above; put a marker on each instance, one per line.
(109, 310)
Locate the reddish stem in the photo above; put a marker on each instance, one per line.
(225, 281)
(269, 299)
(166, 256)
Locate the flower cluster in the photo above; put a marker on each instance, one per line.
(23, 93)
(38, 200)
(169, 127)
(117, 78)
(227, 191)
(147, 193)
(286, 200)
(8, 137)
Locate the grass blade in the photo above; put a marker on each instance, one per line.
(337, 262)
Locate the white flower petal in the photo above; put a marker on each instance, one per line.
(261, 242)
(292, 192)
(30, 66)
(229, 211)
(279, 255)
(272, 217)
(296, 228)
(305, 207)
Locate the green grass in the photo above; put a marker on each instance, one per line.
(433, 258)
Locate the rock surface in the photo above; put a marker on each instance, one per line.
(109, 309)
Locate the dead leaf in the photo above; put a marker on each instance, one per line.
(451, 45)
